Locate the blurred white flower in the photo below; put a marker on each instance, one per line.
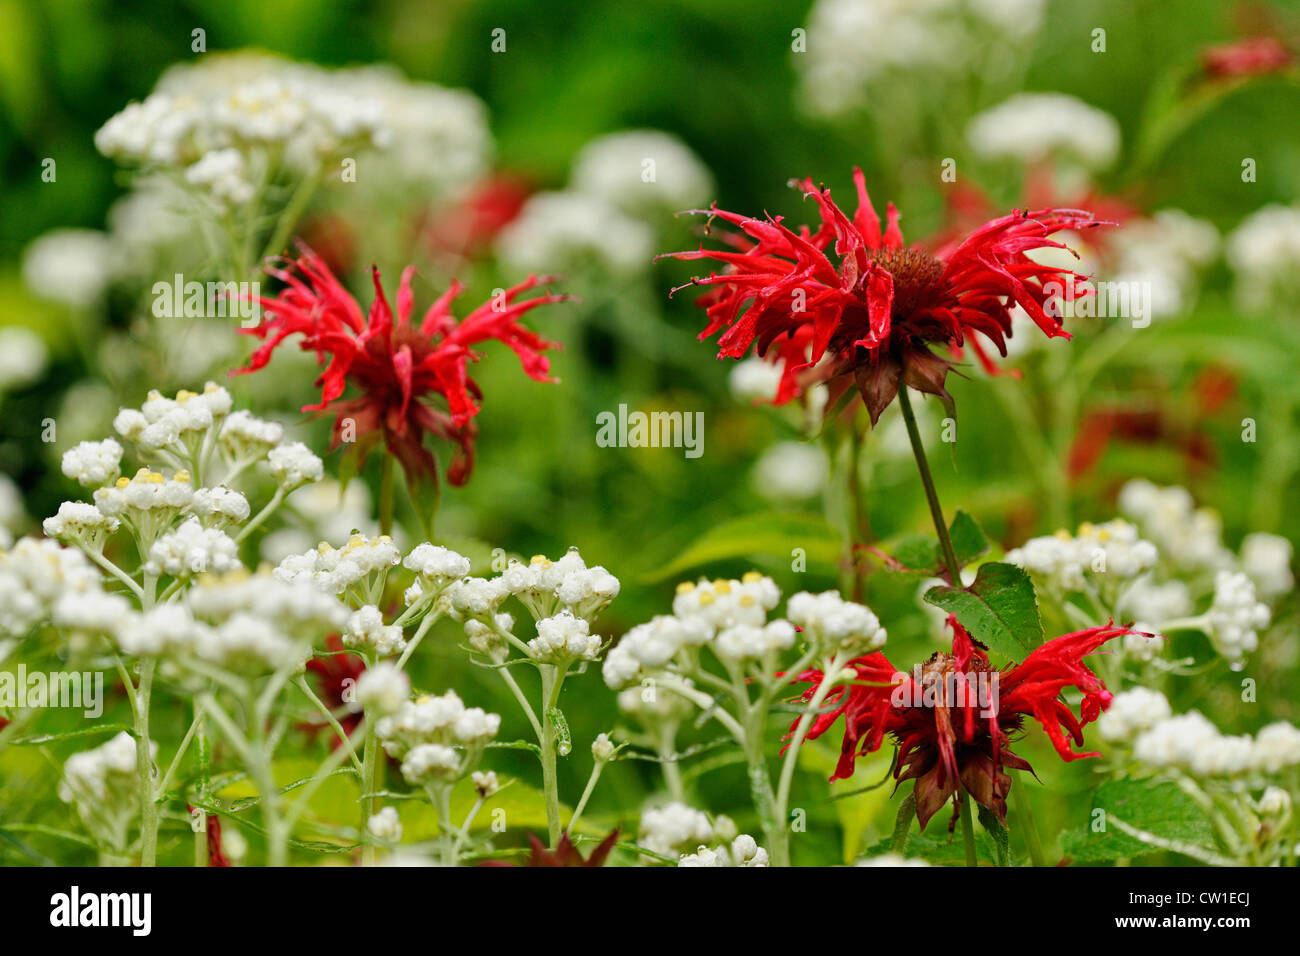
(790, 471)
(1033, 127)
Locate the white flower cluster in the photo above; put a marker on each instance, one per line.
(383, 689)
(260, 622)
(1030, 128)
(247, 437)
(1141, 719)
(564, 638)
(1132, 712)
(101, 785)
(837, 623)
(545, 586)
(34, 574)
(1264, 253)
(147, 497)
(192, 549)
(1266, 560)
(435, 568)
(385, 825)
(334, 570)
(855, 47)
(730, 616)
(1167, 252)
(219, 507)
(743, 851)
(621, 192)
(93, 463)
(575, 232)
(161, 422)
(790, 471)
(366, 629)
(672, 828)
(643, 172)
(1235, 616)
(82, 524)
(294, 465)
(438, 739)
(1108, 553)
(1189, 538)
(70, 266)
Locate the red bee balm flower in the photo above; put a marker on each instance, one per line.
(394, 364)
(870, 314)
(954, 717)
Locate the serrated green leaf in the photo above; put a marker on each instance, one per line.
(999, 609)
(770, 534)
(1160, 809)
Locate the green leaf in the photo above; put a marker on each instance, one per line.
(856, 805)
(999, 609)
(1160, 809)
(1001, 839)
(920, 553)
(769, 534)
(71, 734)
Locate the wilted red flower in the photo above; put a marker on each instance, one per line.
(954, 717)
(871, 314)
(565, 853)
(394, 365)
(1252, 56)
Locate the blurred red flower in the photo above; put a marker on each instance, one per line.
(396, 366)
(953, 725)
(1253, 56)
(870, 315)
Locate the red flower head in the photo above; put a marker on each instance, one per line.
(870, 314)
(396, 365)
(953, 718)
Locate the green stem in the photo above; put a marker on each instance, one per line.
(831, 671)
(551, 680)
(968, 829)
(1026, 814)
(144, 767)
(369, 775)
(386, 496)
(776, 831)
(931, 496)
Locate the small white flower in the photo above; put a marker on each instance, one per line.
(93, 463)
(293, 465)
(80, 523)
(564, 638)
(385, 825)
(485, 783)
(1266, 560)
(382, 689)
(670, 828)
(1131, 712)
(220, 507)
(193, 549)
(602, 748)
(1235, 616)
(1033, 127)
(366, 628)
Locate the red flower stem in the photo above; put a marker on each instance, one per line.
(932, 496)
(954, 576)
(860, 527)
